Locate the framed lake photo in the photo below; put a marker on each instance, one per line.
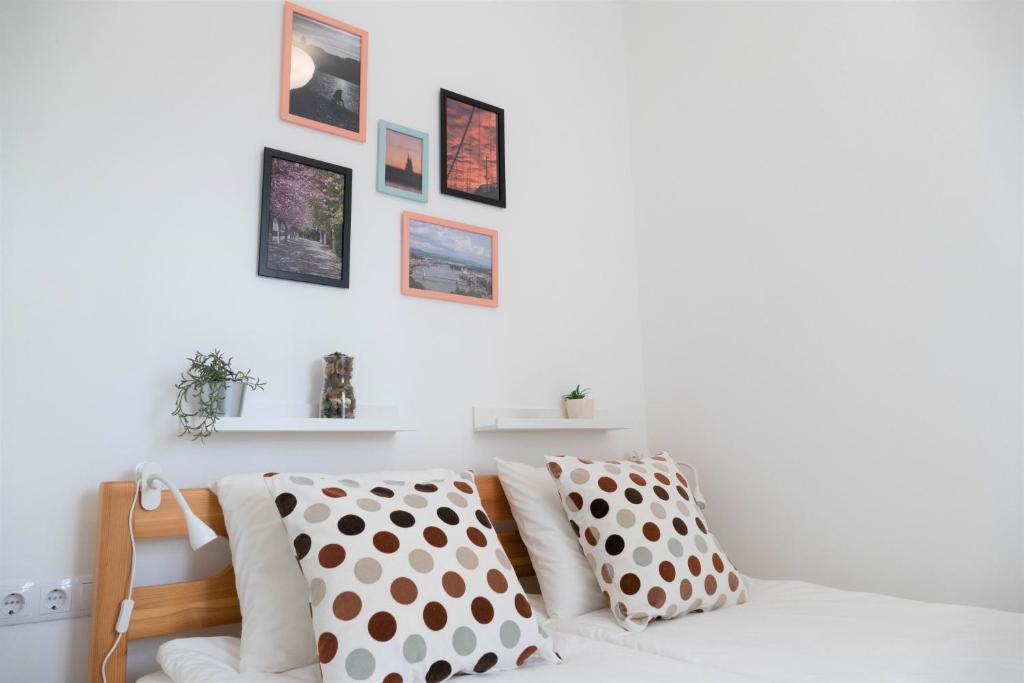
(323, 73)
(442, 259)
(401, 161)
(305, 222)
(472, 149)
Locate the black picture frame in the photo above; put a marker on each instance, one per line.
(266, 221)
(444, 166)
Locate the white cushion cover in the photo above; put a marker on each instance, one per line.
(566, 580)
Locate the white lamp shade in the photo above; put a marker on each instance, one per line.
(199, 534)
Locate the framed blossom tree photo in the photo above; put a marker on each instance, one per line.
(305, 222)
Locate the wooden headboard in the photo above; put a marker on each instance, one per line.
(171, 608)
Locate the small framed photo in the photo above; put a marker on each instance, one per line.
(442, 259)
(323, 73)
(305, 222)
(472, 149)
(402, 161)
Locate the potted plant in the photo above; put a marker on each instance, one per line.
(208, 390)
(578, 406)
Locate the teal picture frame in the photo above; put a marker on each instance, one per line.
(390, 180)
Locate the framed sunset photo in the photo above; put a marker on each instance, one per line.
(472, 149)
(323, 73)
(451, 261)
(401, 161)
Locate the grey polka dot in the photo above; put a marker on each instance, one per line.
(671, 610)
(614, 469)
(301, 481)
(368, 570)
(509, 634)
(684, 509)
(317, 512)
(675, 547)
(393, 482)
(719, 602)
(415, 501)
(578, 476)
(414, 649)
(743, 597)
(625, 518)
(464, 641)
(700, 543)
(317, 591)
(642, 556)
(465, 475)
(503, 558)
(368, 504)
(359, 664)
(467, 558)
(421, 561)
(351, 483)
(658, 511)
(661, 466)
(456, 499)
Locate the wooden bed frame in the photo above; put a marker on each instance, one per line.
(172, 608)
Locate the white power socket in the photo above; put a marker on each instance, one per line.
(30, 601)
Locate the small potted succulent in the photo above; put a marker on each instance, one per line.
(578, 406)
(208, 390)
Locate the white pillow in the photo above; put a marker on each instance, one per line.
(566, 580)
(277, 631)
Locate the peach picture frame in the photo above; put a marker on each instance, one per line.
(290, 9)
(407, 217)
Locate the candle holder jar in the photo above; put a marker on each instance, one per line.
(338, 399)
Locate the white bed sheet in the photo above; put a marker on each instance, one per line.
(795, 631)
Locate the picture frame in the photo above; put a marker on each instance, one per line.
(449, 261)
(406, 178)
(472, 149)
(323, 69)
(302, 235)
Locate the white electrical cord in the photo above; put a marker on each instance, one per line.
(126, 605)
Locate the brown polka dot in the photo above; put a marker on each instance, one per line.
(607, 484)
(660, 492)
(629, 583)
(302, 545)
(351, 525)
(334, 492)
(382, 627)
(486, 662)
(680, 526)
(269, 474)
(331, 555)
(710, 584)
(694, 564)
(585, 461)
(526, 654)
(481, 517)
(326, 647)
(464, 487)
(637, 479)
(662, 478)
(453, 584)
(483, 610)
(435, 537)
(700, 525)
(633, 496)
(523, 606)
(435, 616)
(591, 535)
(716, 560)
(402, 518)
(651, 531)
(667, 571)
(497, 581)
(476, 536)
(575, 528)
(285, 503)
(576, 501)
(555, 469)
(425, 488)
(438, 671)
(734, 581)
(682, 479)
(347, 606)
(393, 678)
(382, 491)
(656, 597)
(682, 492)
(404, 591)
(385, 541)
(621, 608)
(685, 589)
(447, 515)
(606, 573)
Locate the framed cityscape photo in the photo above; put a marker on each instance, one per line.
(323, 73)
(305, 222)
(472, 149)
(442, 259)
(402, 161)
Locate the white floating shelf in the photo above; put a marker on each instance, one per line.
(307, 424)
(538, 419)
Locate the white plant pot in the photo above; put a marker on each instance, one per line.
(231, 404)
(579, 408)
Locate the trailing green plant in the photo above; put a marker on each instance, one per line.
(211, 370)
(576, 393)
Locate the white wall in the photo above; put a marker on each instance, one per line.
(829, 234)
(132, 141)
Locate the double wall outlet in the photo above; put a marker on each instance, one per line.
(44, 600)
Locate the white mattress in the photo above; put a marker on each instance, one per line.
(788, 630)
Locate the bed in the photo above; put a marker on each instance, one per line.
(788, 630)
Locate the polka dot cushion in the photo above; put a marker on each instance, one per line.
(407, 579)
(645, 538)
